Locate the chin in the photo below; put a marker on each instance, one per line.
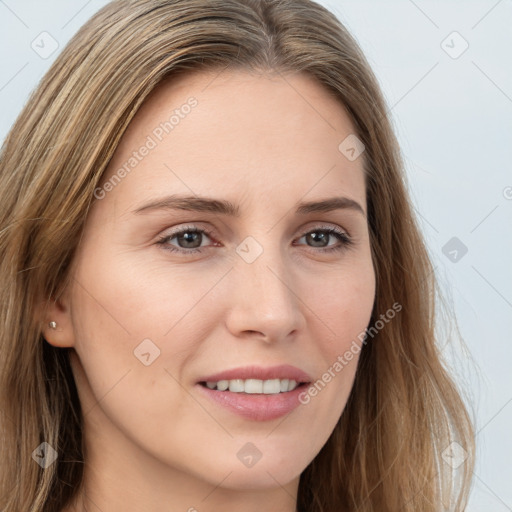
(269, 473)
(265, 478)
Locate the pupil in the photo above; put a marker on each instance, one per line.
(318, 236)
(189, 239)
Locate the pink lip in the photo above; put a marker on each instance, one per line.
(283, 371)
(259, 407)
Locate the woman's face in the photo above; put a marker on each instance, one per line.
(155, 308)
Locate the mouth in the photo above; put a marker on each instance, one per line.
(254, 399)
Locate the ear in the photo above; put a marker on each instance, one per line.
(58, 311)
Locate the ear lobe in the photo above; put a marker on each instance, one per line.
(57, 310)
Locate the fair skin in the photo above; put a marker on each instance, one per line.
(153, 442)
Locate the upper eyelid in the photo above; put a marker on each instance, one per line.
(210, 233)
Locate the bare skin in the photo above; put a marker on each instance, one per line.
(154, 442)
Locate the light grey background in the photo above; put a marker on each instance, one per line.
(453, 116)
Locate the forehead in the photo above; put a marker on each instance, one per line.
(237, 133)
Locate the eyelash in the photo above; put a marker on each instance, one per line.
(342, 236)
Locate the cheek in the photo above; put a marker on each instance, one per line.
(126, 369)
(342, 311)
(344, 304)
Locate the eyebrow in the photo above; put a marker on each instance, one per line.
(223, 207)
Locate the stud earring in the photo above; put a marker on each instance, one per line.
(53, 325)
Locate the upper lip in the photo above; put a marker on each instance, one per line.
(283, 371)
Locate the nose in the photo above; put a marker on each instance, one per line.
(263, 302)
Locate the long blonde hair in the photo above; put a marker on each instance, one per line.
(386, 452)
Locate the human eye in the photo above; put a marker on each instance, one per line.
(190, 237)
(321, 236)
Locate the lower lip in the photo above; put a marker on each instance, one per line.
(258, 407)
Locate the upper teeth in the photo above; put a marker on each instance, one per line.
(267, 387)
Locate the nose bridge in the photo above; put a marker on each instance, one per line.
(263, 271)
(264, 300)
